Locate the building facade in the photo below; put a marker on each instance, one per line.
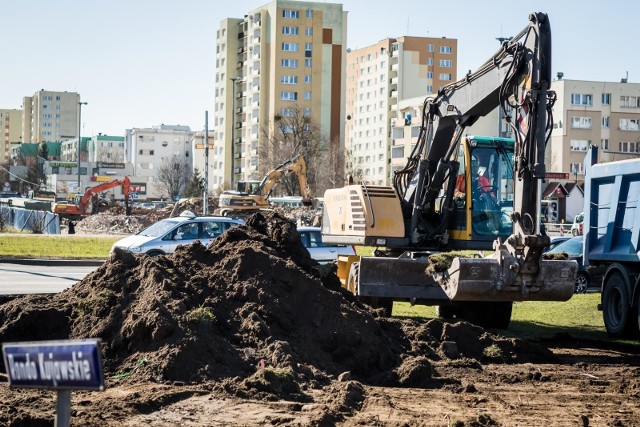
(149, 148)
(49, 116)
(286, 54)
(378, 78)
(106, 148)
(606, 114)
(10, 131)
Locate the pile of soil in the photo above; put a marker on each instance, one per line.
(252, 313)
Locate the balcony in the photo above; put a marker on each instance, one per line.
(238, 140)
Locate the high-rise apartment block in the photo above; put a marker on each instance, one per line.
(50, 116)
(588, 113)
(286, 54)
(378, 77)
(10, 131)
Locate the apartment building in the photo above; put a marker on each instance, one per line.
(378, 78)
(588, 113)
(148, 148)
(49, 116)
(106, 148)
(10, 131)
(283, 55)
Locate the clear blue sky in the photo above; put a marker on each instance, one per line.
(140, 63)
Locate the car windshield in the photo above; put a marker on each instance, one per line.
(158, 229)
(573, 247)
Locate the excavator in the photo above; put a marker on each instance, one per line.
(252, 196)
(460, 192)
(86, 205)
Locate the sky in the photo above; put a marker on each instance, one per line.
(141, 63)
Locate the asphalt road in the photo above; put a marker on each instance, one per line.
(19, 277)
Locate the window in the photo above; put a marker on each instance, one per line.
(430, 47)
(445, 49)
(308, 31)
(579, 144)
(629, 147)
(288, 96)
(446, 63)
(289, 80)
(307, 78)
(290, 63)
(293, 14)
(430, 61)
(445, 76)
(286, 112)
(606, 99)
(430, 89)
(577, 168)
(429, 74)
(630, 124)
(581, 99)
(581, 122)
(290, 47)
(290, 31)
(604, 144)
(307, 95)
(307, 62)
(309, 13)
(630, 101)
(307, 112)
(605, 121)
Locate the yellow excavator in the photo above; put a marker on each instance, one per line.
(462, 192)
(252, 196)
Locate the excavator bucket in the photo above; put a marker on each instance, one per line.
(488, 279)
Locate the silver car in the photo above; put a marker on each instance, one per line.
(321, 252)
(166, 235)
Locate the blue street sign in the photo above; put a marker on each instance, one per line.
(134, 195)
(60, 365)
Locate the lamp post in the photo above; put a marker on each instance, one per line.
(233, 128)
(80, 104)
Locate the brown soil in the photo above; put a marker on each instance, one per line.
(251, 331)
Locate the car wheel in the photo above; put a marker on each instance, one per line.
(582, 283)
(574, 232)
(615, 306)
(154, 253)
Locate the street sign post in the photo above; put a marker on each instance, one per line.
(58, 365)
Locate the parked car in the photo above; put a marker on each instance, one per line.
(321, 252)
(576, 227)
(555, 241)
(588, 277)
(166, 235)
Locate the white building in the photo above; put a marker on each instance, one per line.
(148, 148)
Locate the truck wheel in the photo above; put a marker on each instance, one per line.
(615, 306)
(582, 283)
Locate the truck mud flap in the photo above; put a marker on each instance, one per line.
(485, 279)
(394, 278)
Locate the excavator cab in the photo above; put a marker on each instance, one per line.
(483, 213)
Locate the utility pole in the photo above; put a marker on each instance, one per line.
(205, 205)
(80, 104)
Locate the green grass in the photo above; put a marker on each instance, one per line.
(45, 246)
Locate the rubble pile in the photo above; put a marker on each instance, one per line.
(252, 300)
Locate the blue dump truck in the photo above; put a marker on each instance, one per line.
(612, 239)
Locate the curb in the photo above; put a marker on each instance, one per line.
(54, 262)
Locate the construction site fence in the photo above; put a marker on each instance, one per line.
(30, 220)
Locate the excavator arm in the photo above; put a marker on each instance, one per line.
(124, 183)
(295, 165)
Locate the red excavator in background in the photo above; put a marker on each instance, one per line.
(87, 203)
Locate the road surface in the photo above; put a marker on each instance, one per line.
(19, 278)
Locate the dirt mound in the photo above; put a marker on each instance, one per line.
(252, 301)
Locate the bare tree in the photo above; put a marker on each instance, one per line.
(289, 135)
(172, 177)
